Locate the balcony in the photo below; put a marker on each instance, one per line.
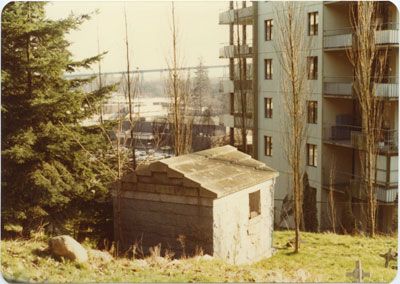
(352, 136)
(342, 87)
(390, 36)
(387, 34)
(356, 183)
(387, 90)
(233, 51)
(359, 190)
(245, 85)
(226, 86)
(388, 143)
(338, 86)
(226, 120)
(339, 40)
(238, 121)
(339, 134)
(233, 86)
(240, 16)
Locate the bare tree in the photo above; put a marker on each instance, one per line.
(179, 90)
(130, 91)
(292, 47)
(100, 81)
(368, 62)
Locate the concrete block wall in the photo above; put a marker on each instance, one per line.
(237, 238)
(157, 209)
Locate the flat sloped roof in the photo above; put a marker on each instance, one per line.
(223, 170)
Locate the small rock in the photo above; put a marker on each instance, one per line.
(140, 263)
(176, 262)
(102, 256)
(159, 260)
(206, 257)
(302, 275)
(68, 247)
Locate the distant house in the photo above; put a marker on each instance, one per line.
(220, 200)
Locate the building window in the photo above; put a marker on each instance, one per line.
(254, 204)
(312, 155)
(232, 103)
(268, 69)
(312, 62)
(268, 145)
(268, 29)
(313, 23)
(268, 107)
(312, 111)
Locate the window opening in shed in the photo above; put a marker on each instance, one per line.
(254, 204)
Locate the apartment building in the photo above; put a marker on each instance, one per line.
(239, 83)
(334, 129)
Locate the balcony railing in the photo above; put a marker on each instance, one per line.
(238, 121)
(353, 136)
(227, 120)
(388, 87)
(338, 41)
(387, 33)
(387, 90)
(359, 190)
(338, 86)
(241, 16)
(245, 85)
(339, 133)
(388, 142)
(233, 51)
(233, 86)
(226, 86)
(340, 181)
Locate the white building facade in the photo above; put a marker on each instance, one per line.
(333, 122)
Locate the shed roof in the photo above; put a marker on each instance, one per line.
(221, 170)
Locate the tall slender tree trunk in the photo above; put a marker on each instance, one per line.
(129, 91)
(100, 79)
(292, 47)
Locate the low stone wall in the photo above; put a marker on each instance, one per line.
(158, 209)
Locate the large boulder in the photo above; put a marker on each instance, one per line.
(68, 247)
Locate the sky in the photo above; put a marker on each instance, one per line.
(149, 32)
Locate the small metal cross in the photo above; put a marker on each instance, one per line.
(388, 257)
(358, 273)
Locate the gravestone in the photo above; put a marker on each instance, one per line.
(388, 257)
(358, 273)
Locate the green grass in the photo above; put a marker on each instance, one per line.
(322, 258)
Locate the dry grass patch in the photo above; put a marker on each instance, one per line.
(322, 258)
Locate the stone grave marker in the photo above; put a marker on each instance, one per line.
(358, 273)
(388, 257)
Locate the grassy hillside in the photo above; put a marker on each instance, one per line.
(323, 258)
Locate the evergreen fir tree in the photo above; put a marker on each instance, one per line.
(46, 175)
(201, 85)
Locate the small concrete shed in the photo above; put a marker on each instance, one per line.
(220, 200)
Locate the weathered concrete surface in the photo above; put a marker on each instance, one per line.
(68, 247)
(237, 238)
